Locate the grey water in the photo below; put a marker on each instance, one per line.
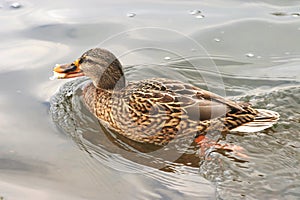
(51, 147)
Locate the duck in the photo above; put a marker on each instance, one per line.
(157, 111)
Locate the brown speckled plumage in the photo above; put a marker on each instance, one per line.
(157, 110)
(154, 111)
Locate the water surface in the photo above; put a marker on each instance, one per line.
(243, 50)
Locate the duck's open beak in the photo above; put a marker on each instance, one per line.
(67, 70)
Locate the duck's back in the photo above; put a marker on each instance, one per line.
(156, 111)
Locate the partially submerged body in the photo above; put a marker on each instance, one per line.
(157, 111)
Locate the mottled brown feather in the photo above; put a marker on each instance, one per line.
(156, 111)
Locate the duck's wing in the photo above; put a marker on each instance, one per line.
(200, 104)
(207, 106)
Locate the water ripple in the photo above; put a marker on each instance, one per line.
(270, 156)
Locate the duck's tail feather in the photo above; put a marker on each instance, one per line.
(264, 119)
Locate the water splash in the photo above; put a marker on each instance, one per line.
(51, 78)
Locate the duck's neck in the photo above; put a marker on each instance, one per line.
(98, 101)
(112, 78)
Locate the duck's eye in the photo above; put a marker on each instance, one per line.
(81, 60)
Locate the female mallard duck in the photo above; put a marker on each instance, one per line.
(155, 111)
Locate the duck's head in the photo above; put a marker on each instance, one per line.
(100, 65)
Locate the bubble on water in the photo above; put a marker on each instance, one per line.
(222, 32)
(15, 5)
(200, 16)
(250, 55)
(167, 58)
(295, 14)
(287, 53)
(217, 40)
(194, 12)
(131, 15)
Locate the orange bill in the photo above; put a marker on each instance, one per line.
(64, 71)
